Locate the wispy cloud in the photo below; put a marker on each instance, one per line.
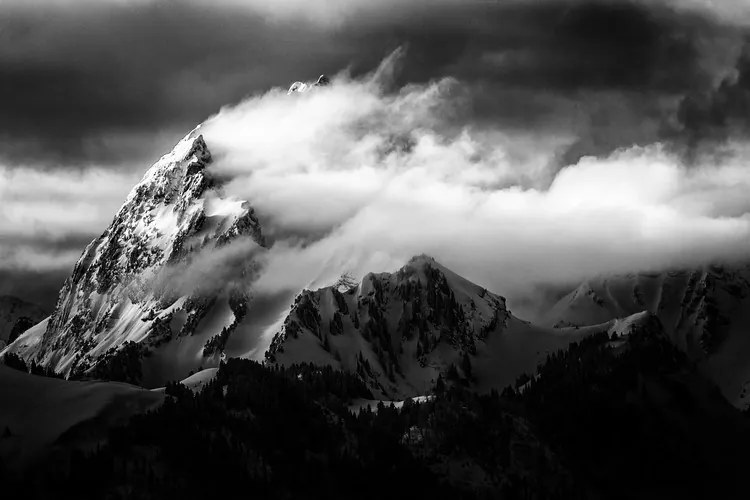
(41, 208)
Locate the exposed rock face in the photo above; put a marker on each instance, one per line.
(401, 331)
(301, 87)
(118, 292)
(694, 305)
(705, 312)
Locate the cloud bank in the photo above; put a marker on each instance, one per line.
(353, 177)
(85, 82)
(111, 85)
(47, 217)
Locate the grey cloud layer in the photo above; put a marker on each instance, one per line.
(101, 89)
(78, 86)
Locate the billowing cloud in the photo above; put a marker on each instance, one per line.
(351, 177)
(530, 87)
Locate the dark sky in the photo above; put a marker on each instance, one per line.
(107, 87)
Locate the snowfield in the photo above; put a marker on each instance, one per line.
(38, 414)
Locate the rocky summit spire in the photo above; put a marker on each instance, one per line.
(301, 87)
(115, 297)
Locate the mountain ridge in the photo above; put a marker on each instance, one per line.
(704, 311)
(116, 294)
(126, 312)
(16, 316)
(402, 331)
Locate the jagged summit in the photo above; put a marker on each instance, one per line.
(397, 330)
(300, 87)
(120, 316)
(115, 293)
(400, 331)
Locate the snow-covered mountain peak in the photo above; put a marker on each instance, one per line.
(167, 177)
(302, 87)
(400, 331)
(174, 214)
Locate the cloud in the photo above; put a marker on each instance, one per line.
(77, 77)
(539, 84)
(720, 112)
(732, 11)
(352, 177)
(48, 216)
(334, 12)
(208, 271)
(74, 75)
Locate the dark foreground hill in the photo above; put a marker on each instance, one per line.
(622, 418)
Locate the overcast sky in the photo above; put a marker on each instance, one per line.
(92, 92)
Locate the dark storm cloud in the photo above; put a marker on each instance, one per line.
(87, 87)
(69, 242)
(69, 78)
(37, 287)
(129, 70)
(552, 45)
(611, 73)
(720, 112)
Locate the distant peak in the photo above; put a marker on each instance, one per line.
(422, 258)
(301, 87)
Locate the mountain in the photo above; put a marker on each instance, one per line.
(165, 291)
(301, 87)
(16, 316)
(288, 433)
(635, 418)
(400, 331)
(133, 309)
(144, 305)
(618, 381)
(705, 313)
(607, 418)
(38, 414)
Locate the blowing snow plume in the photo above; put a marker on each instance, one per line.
(355, 176)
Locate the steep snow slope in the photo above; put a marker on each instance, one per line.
(196, 381)
(705, 312)
(37, 413)
(400, 331)
(17, 315)
(132, 297)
